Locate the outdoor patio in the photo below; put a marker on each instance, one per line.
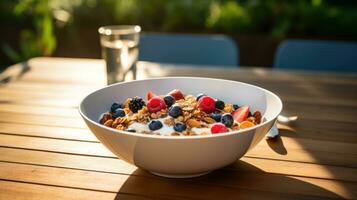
(51, 148)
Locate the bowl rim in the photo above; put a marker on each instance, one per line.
(165, 137)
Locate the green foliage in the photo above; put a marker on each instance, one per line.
(229, 16)
(40, 38)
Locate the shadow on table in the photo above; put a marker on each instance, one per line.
(277, 145)
(240, 180)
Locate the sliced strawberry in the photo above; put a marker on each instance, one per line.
(241, 114)
(177, 94)
(150, 95)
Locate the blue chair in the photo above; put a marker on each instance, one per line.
(188, 49)
(317, 55)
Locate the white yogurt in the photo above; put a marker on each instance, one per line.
(165, 130)
(139, 127)
(201, 130)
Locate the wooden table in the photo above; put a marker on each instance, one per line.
(46, 151)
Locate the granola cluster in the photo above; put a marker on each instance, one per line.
(179, 115)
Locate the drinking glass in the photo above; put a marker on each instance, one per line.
(120, 50)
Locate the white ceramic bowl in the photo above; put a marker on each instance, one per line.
(181, 156)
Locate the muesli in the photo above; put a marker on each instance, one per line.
(177, 114)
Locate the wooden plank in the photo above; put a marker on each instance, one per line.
(151, 69)
(48, 94)
(16, 118)
(320, 130)
(269, 151)
(40, 101)
(65, 70)
(147, 69)
(113, 165)
(50, 90)
(63, 146)
(321, 112)
(28, 191)
(218, 184)
(48, 132)
(39, 110)
(63, 77)
(19, 85)
(311, 146)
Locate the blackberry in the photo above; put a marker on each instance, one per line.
(136, 104)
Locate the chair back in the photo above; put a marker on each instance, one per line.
(317, 55)
(188, 49)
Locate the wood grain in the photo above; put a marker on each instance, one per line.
(219, 184)
(262, 150)
(46, 151)
(16, 118)
(48, 132)
(113, 165)
(28, 191)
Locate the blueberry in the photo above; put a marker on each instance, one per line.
(179, 127)
(199, 96)
(155, 125)
(235, 106)
(175, 111)
(131, 130)
(119, 113)
(115, 106)
(227, 120)
(219, 104)
(169, 100)
(216, 116)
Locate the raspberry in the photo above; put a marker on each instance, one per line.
(156, 104)
(218, 128)
(207, 104)
(177, 94)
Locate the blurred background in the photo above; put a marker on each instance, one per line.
(68, 28)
